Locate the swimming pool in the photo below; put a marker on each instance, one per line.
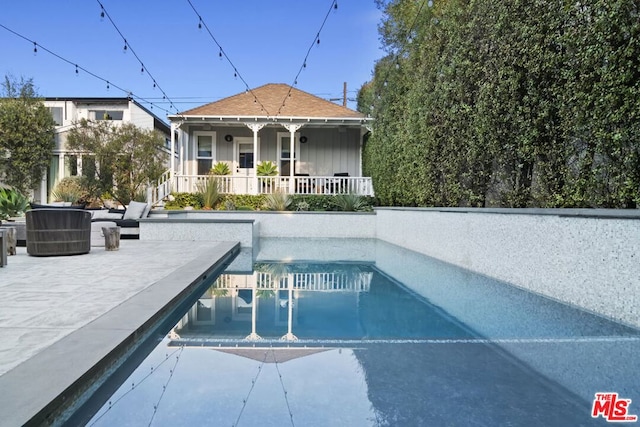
(371, 334)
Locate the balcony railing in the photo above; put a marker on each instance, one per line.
(272, 184)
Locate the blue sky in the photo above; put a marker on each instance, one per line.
(266, 40)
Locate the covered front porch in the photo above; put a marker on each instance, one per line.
(315, 149)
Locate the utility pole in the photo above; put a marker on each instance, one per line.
(344, 94)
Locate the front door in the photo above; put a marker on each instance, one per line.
(244, 160)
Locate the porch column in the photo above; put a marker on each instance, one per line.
(292, 128)
(172, 163)
(61, 171)
(255, 127)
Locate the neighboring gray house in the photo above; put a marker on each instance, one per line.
(67, 111)
(316, 144)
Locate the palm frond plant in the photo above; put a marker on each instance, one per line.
(210, 191)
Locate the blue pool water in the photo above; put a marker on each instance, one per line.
(372, 335)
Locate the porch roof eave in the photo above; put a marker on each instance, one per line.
(325, 121)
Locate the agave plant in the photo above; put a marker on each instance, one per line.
(210, 191)
(12, 203)
(350, 202)
(220, 168)
(277, 201)
(267, 168)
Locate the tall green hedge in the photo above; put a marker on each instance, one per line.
(517, 103)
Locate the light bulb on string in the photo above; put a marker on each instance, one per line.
(124, 49)
(107, 85)
(304, 65)
(77, 72)
(35, 48)
(154, 84)
(101, 14)
(335, 6)
(200, 24)
(220, 55)
(141, 68)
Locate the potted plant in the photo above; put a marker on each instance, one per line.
(220, 168)
(266, 168)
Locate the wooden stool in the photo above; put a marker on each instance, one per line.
(111, 238)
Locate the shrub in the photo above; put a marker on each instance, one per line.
(182, 200)
(254, 201)
(69, 189)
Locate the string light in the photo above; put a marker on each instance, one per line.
(124, 49)
(222, 54)
(127, 46)
(315, 42)
(35, 48)
(102, 15)
(78, 67)
(200, 23)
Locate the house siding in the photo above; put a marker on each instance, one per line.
(328, 150)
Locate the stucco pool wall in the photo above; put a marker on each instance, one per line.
(589, 258)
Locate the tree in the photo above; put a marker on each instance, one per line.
(26, 135)
(123, 159)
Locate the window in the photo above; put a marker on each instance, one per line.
(204, 151)
(72, 166)
(56, 113)
(284, 151)
(245, 156)
(106, 114)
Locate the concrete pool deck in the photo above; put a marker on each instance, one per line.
(59, 316)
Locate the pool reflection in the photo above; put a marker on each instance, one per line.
(313, 301)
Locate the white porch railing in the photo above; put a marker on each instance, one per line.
(271, 184)
(321, 282)
(160, 190)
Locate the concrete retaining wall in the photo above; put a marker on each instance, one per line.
(290, 224)
(590, 258)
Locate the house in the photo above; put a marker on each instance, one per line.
(67, 111)
(315, 144)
